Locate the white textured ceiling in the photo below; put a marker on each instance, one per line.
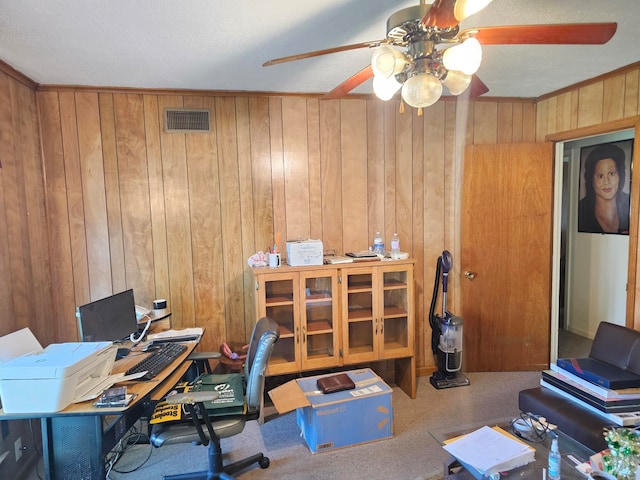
(221, 44)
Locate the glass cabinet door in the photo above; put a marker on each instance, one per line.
(396, 336)
(280, 296)
(319, 319)
(360, 326)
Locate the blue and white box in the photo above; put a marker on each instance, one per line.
(337, 420)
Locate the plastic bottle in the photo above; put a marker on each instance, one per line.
(378, 244)
(554, 461)
(395, 247)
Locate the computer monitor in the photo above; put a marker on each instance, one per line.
(109, 319)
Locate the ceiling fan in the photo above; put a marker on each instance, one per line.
(434, 53)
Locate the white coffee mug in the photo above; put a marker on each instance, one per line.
(274, 260)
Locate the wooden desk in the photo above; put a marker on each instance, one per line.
(76, 439)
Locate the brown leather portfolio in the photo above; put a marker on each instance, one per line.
(336, 383)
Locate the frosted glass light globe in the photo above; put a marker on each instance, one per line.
(385, 88)
(421, 90)
(457, 82)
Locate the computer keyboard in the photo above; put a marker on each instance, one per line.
(158, 360)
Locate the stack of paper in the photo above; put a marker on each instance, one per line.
(490, 451)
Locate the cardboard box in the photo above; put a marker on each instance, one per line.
(304, 252)
(336, 420)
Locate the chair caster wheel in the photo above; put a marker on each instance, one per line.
(264, 462)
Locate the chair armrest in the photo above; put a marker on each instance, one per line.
(192, 397)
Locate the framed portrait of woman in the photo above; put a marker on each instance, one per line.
(605, 188)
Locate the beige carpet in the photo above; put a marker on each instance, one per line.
(412, 454)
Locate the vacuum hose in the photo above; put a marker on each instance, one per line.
(434, 320)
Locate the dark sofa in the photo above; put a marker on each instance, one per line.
(612, 344)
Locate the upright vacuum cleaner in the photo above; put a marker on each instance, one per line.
(446, 333)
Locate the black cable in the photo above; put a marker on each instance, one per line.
(530, 427)
(116, 454)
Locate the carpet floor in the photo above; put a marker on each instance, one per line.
(412, 454)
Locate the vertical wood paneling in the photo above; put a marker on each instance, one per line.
(388, 187)
(315, 170)
(296, 166)
(631, 94)
(62, 275)
(375, 169)
(277, 170)
(485, 121)
(153, 125)
(75, 203)
(353, 148)
(261, 172)
(38, 288)
(331, 175)
(12, 260)
(232, 260)
(505, 122)
(613, 101)
(404, 178)
(93, 193)
(112, 194)
(248, 240)
(206, 228)
(590, 104)
(133, 183)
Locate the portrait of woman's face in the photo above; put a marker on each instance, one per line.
(606, 179)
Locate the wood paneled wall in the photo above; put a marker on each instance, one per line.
(177, 215)
(25, 281)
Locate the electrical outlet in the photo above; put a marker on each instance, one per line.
(18, 448)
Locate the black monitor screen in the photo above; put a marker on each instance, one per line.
(109, 319)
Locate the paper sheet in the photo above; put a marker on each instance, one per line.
(490, 451)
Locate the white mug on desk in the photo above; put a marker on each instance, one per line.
(274, 260)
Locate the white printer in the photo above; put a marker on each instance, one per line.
(50, 379)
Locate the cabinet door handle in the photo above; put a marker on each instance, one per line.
(381, 326)
(297, 334)
(304, 334)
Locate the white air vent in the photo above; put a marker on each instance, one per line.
(186, 120)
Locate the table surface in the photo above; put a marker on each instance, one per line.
(567, 445)
(154, 389)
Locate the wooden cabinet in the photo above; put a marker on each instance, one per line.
(336, 315)
(377, 312)
(305, 305)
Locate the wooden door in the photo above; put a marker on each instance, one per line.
(507, 212)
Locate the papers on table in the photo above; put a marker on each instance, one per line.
(177, 334)
(490, 450)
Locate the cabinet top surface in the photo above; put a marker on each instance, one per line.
(339, 266)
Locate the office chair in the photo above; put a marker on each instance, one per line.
(265, 334)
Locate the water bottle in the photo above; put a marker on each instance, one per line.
(378, 244)
(395, 247)
(554, 461)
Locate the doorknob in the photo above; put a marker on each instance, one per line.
(470, 275)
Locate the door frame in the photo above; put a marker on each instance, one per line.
(632, 319)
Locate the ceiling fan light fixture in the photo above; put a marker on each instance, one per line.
(385, 88)
(387, 61)
(421, 90)
(465, 57)
(466, 8)
(457, 82)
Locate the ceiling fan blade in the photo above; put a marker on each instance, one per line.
(477, 87)
(352, 82)
(440, 14)
(326, 51)
(568, 33)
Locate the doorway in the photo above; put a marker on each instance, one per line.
(592, 268)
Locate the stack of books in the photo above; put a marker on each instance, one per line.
(609, 391)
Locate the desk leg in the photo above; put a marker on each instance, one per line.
(72, 448)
